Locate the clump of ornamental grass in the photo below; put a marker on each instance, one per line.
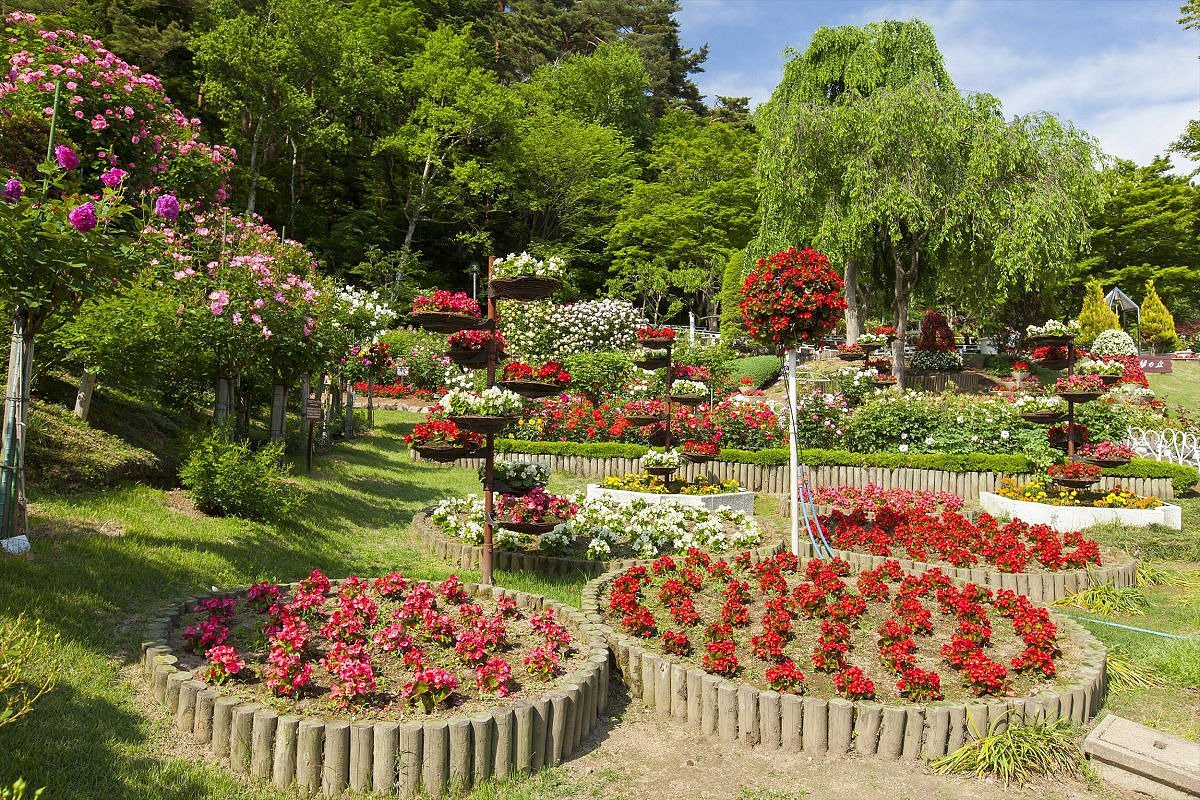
(1152, 574)
(1020, 754)
(1107, 600)
(1126, 672)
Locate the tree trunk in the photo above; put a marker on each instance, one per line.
(279, 412)
(255, 168)
(83, 397)
(224, 405)
(415, 216)
(853, 324)
(242, 401)
(292, 187)
(349, 429)
(12, 416)
(331, 409)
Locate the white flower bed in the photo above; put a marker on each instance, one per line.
(649, 529)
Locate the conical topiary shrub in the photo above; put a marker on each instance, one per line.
(1095, 317)
(1158, 326)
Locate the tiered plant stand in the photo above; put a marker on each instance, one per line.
(1071, 397)
(523, 288)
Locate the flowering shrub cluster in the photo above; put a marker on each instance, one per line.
(794, 296)
(763, 621)
(375, 643)
(923, 534)
(544, 330)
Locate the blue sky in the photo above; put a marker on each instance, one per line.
(1124, 70)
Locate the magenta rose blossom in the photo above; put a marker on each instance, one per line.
(83, 218)
(112, 179)
(66, 157)
(167, 206)
(12, 191)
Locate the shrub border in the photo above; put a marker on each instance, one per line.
(728, 711)
(428, 759)
(462, 554)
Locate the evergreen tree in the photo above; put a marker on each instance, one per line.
(1157, 325)
(1095, 317)
(732, 324)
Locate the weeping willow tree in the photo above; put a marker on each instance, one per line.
(840, 65)
(916, 182)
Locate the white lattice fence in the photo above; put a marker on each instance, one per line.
(1179, 447)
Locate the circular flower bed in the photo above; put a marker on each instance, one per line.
(601, 529)
(949, 538)
(684, 626)
(239, 670)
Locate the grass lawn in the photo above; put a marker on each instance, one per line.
(1180, 387)
(102, 559)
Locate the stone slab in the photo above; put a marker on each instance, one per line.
(1143, 759)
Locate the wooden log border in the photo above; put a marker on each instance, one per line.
(774, 480)
(461, 554)
(430, 759)
(727, 711)
(1042, 588)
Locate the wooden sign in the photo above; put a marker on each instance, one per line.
(312, 409)
(1156, 364)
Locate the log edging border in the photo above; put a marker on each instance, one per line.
(430, 758)
(731, 711)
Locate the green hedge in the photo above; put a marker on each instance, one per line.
(1182, 478)
(763, 370)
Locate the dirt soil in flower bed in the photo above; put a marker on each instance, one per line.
(391, 674)
(864, 652)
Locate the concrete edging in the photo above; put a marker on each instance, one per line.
(464, 555)
(409, 758)
(728, 711)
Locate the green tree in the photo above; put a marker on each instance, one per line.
(839, 65)
(942, 186)
(676, 231)
(1148, 229)
(1095, 316)
(1157, 325)
(732, 324)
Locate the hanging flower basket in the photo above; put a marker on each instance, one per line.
(1106, 463)
(444, 453)
(1033, 342)
(1110, 380)
(687, 399)
(477, 423)
(537, 528)
(699, 452)
(1076, 483)
(656, 362)
(1044, 417)
(532, 389)
(517, 491)
(657, 343)
(444, 321)
(698, 458)
(661, 438)
(473, 359)
(642, 420)
(1052, 363)
(524, 287)
(1107, 454)
(1079, 397)
(662, 472)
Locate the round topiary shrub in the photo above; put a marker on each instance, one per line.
(1114, 343)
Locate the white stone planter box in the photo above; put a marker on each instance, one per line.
(1074, 518)
(738, 501)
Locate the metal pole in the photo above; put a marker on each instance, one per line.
(793, 456)
(489, 454)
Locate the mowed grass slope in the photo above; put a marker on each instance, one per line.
(105, 559)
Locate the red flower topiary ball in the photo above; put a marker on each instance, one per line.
(792, 297)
